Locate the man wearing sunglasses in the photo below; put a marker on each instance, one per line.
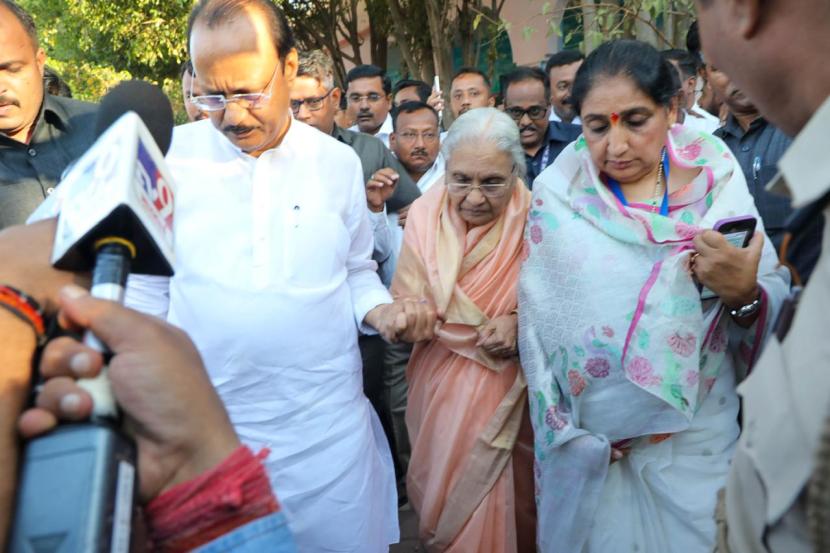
(274, 279)
(527, 100)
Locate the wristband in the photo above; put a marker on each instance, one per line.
(24, 307)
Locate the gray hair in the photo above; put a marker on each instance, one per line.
(317, 65)
(487, 124)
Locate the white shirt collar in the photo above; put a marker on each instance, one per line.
(432, 175)
(806, 166)
(384, 131)
(555, 117)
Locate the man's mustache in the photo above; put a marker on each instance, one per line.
(236, 129)
(8, 100)
(530, 127)
(420, 152)
(568, 101)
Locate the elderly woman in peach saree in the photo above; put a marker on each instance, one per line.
(470, 477)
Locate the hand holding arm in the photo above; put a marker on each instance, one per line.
(407, 319)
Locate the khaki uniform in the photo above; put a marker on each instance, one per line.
(786, 398)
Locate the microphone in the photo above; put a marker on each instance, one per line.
(78, 483)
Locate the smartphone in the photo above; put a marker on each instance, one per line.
(738, 231)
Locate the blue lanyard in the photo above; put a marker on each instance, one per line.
(664, 207)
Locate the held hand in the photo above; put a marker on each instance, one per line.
(436, 100)
(380, 188)
(498, 336)
(171, 409)
(403, 213)
(407, 319)
(25, 263)
(730, 272)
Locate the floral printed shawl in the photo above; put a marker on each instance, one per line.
(614, 339)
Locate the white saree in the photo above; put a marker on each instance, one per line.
(618, 348)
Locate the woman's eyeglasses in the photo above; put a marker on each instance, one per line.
(490, 189)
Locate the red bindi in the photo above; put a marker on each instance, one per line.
(615, 118)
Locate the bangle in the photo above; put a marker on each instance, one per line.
(748, 309)
(24, 307)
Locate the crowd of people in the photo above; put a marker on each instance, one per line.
(513, 312)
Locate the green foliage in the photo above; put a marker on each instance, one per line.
(93, 44)
(585, 24)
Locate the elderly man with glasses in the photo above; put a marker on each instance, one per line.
(527, 101)
(274, 280)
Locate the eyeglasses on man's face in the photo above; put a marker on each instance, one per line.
(428, 137)
(372, 98)
(535, 113)
(313, 104)
(219, 102)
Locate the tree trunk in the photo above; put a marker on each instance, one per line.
(589, 25)
(379, 46)
(466, 33)
(439, 30)
(401, 38)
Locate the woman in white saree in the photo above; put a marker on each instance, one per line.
(631, 375)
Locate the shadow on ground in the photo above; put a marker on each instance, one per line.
(409, 533)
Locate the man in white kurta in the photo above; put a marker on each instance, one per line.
(274, 277)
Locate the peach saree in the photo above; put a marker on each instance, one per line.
(470, 477)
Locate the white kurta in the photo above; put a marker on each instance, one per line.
(273, 276)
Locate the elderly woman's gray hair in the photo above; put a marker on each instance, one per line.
(486, 124)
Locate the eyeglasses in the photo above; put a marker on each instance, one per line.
(372, 98)
(428, 137)
(219, 102)
(490, 189)
(313, 104)
(534, 112)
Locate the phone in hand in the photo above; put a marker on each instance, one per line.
(738, 231)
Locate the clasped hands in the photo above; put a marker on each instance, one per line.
(415, 320)
(405, 320)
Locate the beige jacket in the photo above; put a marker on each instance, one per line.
(786, 399)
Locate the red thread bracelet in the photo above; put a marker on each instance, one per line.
(193, 513)
(24, 307)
